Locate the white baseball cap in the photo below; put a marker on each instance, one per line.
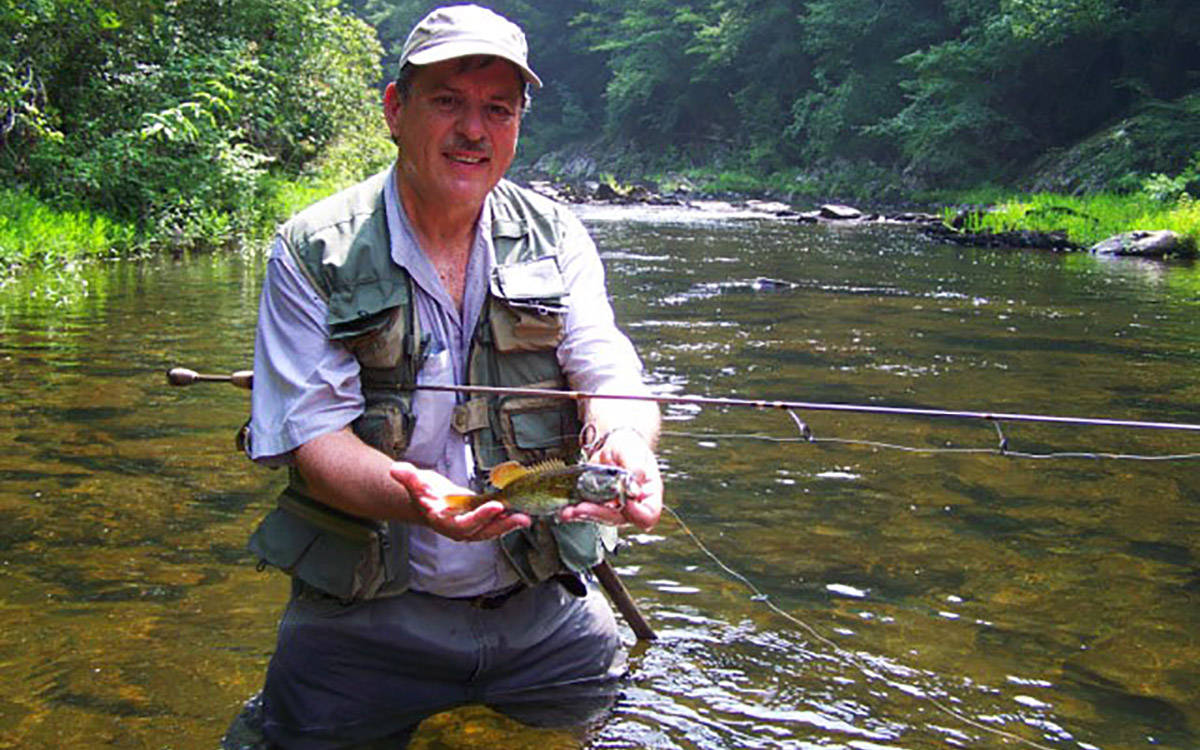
(464, 30)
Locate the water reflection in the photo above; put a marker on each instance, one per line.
(834, 594)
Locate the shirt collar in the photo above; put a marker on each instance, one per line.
(406, 252)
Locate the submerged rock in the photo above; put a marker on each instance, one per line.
(768, 284)
(1145, 244)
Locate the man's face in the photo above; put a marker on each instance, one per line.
(457, 130)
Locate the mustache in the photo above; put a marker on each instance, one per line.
(481, 146)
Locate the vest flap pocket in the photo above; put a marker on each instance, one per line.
(386, 425)
(530, 432)
(281, 539)
(336, 555)
(580, 545)
(535, 428)
(532, 552)
(373, 338)
(356, 308)
(341, 566)
(538, 279)
(526, 328)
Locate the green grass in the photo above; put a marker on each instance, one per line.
(290, 195)
(33, 232)
(1086, 219)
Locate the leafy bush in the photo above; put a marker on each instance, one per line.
(170, 115)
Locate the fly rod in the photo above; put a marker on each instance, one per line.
(814, 406)
(244, 378)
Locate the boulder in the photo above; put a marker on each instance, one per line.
(1145, 244)
(839, 212)
(775, 208)
(605, 192)
(638, 194)
(915, 217)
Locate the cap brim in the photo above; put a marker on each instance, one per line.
(451, 50)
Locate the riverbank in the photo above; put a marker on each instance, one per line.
(1104, 223)
(1160, 220)
(34, 233)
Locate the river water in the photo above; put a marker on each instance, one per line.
(893, 582)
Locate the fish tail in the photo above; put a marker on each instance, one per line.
(461, 502)
(467, 502)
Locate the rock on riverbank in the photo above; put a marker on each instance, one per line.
(1145, 244)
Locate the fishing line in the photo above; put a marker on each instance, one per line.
(758, 595)
(807, 436)
(996, 419)
(917, 449)
(904, 411)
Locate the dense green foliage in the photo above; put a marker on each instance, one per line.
(930, 94)
(170, 114)
(190, 121)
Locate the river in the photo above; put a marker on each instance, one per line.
(892, 582)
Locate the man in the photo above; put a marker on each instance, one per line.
(440, 272)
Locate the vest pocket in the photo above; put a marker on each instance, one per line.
(336, 555)
(385, 425)
(534, 428)
(527, 326)
(378, 341)
(549, 548)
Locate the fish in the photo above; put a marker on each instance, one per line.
(546, 487)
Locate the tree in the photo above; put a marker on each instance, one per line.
(1024, 77)
(169, 111)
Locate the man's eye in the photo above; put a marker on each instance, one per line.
(445, 101)
(501, 112)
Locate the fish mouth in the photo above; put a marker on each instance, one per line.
(615, 477)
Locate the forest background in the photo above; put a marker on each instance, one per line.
(128, 125)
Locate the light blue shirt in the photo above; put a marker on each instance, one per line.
(306, 386)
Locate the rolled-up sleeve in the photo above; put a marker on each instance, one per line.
(304, 385)
(595, 354)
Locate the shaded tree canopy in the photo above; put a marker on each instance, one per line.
(168, 110)
(949, 92)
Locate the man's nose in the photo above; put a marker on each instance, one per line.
(471, 121)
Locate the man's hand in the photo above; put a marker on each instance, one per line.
(427, 490)
(643, 502)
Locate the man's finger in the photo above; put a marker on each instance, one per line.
(592, 512)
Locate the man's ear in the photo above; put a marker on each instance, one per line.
(392, 105)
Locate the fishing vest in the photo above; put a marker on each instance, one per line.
(342, 246)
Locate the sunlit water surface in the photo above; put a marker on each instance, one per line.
(875, 587)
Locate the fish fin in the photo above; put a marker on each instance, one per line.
(546, 466)
(506, 473)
